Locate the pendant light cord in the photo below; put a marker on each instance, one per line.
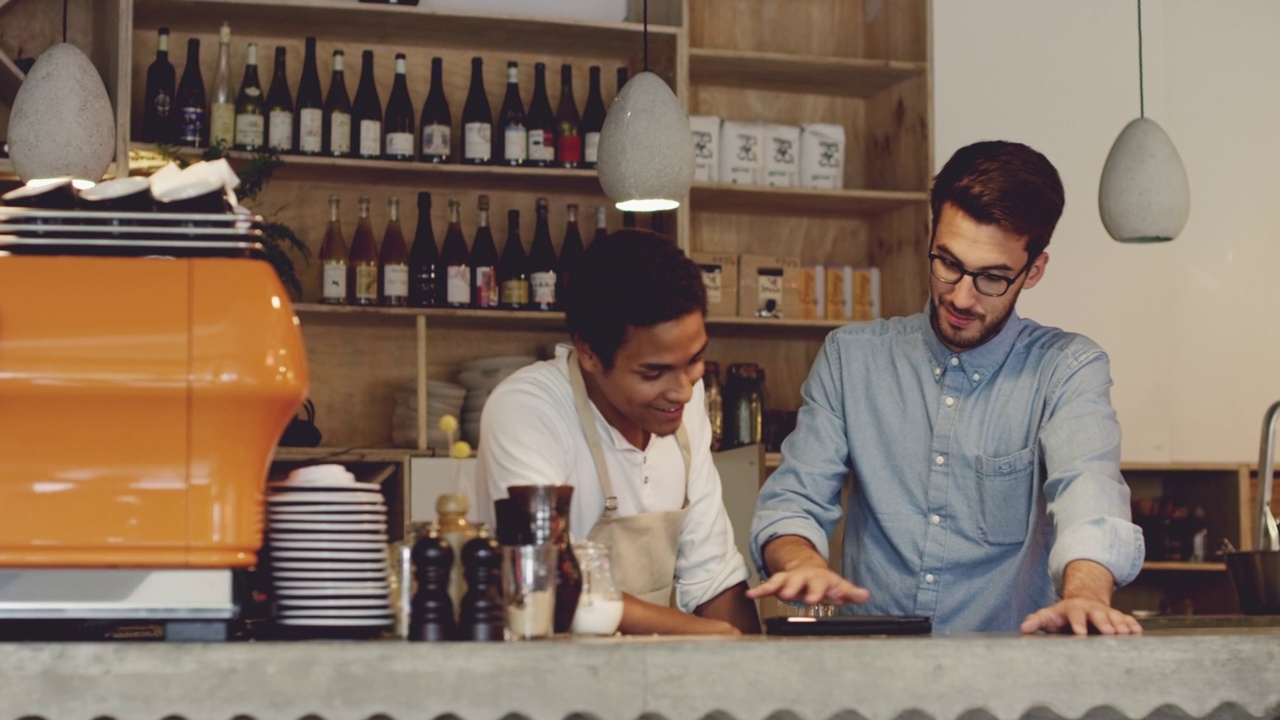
(1142, 103)
(64, 20)
(646, 34)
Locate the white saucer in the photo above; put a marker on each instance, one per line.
(327, 585)
(321, 566)
(372, 603)
(323, 546)
(329, 526)
(379, 575)
(334, 508)
(327, 537)
(336, 613)
(334, 622)
(288, 498)
(326, 592)
(336, 518)
(354, 556)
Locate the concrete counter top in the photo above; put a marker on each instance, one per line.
(1166, 674)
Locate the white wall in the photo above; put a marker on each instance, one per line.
(1193, 326)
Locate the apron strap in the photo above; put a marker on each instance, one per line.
(587, 419)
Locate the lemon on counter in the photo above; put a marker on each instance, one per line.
(448, 424)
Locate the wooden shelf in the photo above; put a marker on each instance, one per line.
(11, 77)
(6, 170)
(782, 72)
(411, 26)
(339, 455)
(772, 460)
(351, 170)
(758, 199)
(531, 320)
(1178, 566)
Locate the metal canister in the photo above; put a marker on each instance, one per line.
(744, 405)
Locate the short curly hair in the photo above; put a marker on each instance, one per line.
(631, 278)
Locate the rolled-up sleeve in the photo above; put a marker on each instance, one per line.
(1085, 493)
(802, 497)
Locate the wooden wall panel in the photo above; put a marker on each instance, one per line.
(898, 131)
(900, 247)
(897, 30)
(811, 27)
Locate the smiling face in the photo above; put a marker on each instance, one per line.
(962, 317)
(651, 379)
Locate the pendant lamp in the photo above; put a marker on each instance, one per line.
(646, 150)
(1144, 196)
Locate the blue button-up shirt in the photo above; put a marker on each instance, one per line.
(976, 476)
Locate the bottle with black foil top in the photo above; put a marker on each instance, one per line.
(432, 617)
(482, 616)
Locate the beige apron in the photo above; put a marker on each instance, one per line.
(643, 546)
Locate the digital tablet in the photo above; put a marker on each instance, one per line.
(849, 625)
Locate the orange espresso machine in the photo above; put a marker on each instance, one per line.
(146, 373)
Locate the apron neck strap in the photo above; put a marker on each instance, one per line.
(585, 416)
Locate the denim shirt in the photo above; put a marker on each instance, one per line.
(976, 476)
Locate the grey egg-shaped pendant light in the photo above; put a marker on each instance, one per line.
(646, 155)
(1144, 195)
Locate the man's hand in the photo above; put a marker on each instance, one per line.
(1086, 601)
(800, 574)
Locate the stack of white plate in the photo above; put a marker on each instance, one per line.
(480, 377)
(443, 398)
(327, 544)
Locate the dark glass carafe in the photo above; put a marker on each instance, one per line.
(544, 510)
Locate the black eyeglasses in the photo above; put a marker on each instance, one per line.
(990, 284)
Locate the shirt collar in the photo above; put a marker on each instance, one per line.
(978, 363)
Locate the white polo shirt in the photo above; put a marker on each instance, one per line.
(531, 435)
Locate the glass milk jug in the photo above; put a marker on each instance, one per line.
(600, 604)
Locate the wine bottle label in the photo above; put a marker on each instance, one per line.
(366, 283)
(541, 146)
(458, 290)
(163, 103)
(249, 129)
(191, 123)
(569, 149)
(400, 144)
(435, 141)
(371, 138)
(335, 282)
(543, 287)
(222, 123)
(591, 147)
(477, 141)
(515, 143)
(486, 287)
(515, 292)
(281, 130)
(339, 133)
(310, 129)
(395, 281)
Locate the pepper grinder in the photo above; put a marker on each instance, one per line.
(481, 616)
(432, 618)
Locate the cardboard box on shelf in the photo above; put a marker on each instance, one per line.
(741, 157)
(706, 147)
(768, 286)
(822, 148)
(781, 155)
(838, 305)
(866, 293)
(813, 281)
(720, 277)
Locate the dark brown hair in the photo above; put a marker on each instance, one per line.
(1005, 184)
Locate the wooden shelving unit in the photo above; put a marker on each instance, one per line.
(1161, 566)
(343, 455)
(755, 199)
(805, 74)
(6, 170)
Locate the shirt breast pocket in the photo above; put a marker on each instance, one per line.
(1005, 487)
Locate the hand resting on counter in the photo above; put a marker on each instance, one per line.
(1085, 603)
(802, 575)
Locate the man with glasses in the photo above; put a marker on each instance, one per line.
(983, 448)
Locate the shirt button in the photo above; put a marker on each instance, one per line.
(950, 401)
(955, 361)
(929, 578)
(937, 372)
(939, 460)
(976, 377)
(935, 519)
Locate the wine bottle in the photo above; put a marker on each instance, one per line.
(333, 259)
(436, 120)
(540, 123)
(622, 80)
(399, 118)
(542, 260)
(628, 219)
(512, 145)
(193, 124)
(456, 261)
(366, 113)
(601, 228)
(337, 112)
(222, 105)
(308, 118)
(394, 260)
(425, 272)
(157, 111)
(592, 120)
(484, 262)
(568, 139)
(570, 252)
(477, 120)
(513, 269)
(280, 107)
(250, 127)
(362, 262)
